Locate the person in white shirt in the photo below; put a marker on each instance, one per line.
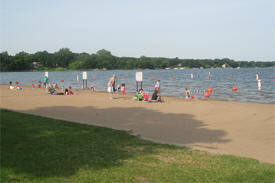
(10, 86)
(157, 85)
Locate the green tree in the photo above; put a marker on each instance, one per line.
(5, 60)
(63, 57)
(44, 58)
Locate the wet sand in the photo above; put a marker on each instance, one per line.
(223, 127)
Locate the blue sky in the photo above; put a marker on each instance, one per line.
(237, 29)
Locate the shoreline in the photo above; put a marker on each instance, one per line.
(131, 94)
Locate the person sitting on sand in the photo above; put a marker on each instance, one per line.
(17, 87)
(92, 88)
(156, 97)
(51, 91)
(10, 86)
(140, 94)
(68, 91)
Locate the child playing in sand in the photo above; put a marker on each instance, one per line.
(68, 91)
(17, 87)
(140, 94)
(92, 88)
(122, 89)
(187, 93)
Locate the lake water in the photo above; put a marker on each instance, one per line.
(243, 79)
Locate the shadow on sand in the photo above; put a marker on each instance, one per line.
(47, 147)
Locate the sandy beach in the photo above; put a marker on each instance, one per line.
(223, 127)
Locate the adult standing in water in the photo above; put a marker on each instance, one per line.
(111, 85)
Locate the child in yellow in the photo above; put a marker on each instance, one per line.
(187, 93)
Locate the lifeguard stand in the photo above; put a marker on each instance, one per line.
(84, 78)
(139, 79)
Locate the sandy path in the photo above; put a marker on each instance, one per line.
(242, 129)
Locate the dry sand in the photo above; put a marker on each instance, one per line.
(242, 129)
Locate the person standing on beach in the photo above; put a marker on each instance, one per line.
(111, 85)
(122, 89)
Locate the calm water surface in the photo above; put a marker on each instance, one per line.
(243, 79)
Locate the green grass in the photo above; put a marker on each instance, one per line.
(38, 149)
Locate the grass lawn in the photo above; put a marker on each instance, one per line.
(38, 149)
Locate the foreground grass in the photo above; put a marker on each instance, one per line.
(37, 149)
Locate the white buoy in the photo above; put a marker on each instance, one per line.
(259, 85)
(257, 77)
(191, 76)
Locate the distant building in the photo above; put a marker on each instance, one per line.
(224, 66)
(36, 64)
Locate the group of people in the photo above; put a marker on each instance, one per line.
(51, 88)
(64, 91)
(45, 80)
(15, 87)
(156, 97)
(112, 86)
(140, 95)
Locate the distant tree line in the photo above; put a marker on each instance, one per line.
(64, 59)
